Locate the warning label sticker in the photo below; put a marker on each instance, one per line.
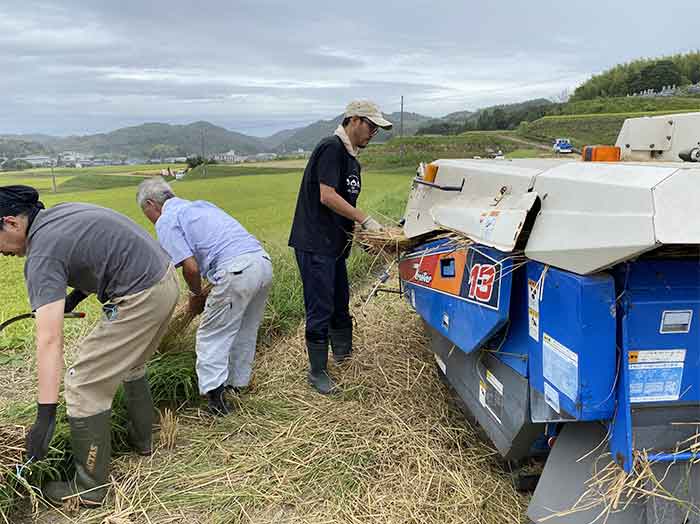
(491, 395)
(657, 355)
(533, 309)
(551, 396)
(655, 382)
(560, 366)
(676, 321)
(533, 322)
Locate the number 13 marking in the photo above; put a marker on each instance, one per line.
(481, 280)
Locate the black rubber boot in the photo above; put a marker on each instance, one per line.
(139, 406)
(318, 368)
(341, 343)
(91, 441)
(217, 403)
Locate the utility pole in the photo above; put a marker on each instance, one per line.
(204, 158)
(53, 178)
(402, 147)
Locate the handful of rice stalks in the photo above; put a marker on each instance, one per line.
(388, 240)
(179, 322)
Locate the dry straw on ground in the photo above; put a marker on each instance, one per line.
(388, 449)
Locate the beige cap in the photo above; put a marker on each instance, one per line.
(368, 110)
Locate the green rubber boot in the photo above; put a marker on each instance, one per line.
(341, 343)
(318, 368)
(139, 406)
(92, 450)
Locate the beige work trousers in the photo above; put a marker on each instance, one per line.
(117, 349)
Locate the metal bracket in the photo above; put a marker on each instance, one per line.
(437, 186)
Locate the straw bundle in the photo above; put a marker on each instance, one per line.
(168, 429)
(389, 240)
(179, 322)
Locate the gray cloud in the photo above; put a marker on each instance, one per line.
(260, 66)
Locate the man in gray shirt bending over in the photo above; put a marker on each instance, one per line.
(93, 250)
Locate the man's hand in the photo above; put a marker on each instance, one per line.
(39, 437)
(74, 298)
(196, 303)
(370, 224)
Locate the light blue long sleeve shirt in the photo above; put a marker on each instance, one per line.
(201, 229)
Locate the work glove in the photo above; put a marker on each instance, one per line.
(74, 298)
(370, 224)
(39, 437)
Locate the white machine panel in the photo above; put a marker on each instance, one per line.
(676, 201)
(594, 215)
(488, 185)
(658, 137)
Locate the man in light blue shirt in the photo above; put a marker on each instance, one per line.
(208, 243)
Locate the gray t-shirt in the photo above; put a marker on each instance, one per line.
(90, 248)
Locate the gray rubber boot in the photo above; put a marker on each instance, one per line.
(139, 406)
(91, 441)
(318, 368)
(341, 343)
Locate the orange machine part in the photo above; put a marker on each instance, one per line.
(430, 172)
(600, 154)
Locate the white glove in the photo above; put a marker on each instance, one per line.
(370, 224)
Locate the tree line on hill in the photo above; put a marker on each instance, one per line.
(491, 118)
(641, 75)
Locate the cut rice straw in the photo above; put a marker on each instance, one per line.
(611, 489)
(389, 448)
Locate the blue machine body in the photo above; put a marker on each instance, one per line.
(603, 347)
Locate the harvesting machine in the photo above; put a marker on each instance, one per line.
(564, 313)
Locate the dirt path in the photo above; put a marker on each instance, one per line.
(529, 143)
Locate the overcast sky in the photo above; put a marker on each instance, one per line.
(259, 66)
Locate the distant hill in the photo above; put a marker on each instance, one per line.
(307, 137)
(160, 140)
(156, 140)
(19, 147)
(506, 116)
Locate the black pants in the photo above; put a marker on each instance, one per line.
(326, 294)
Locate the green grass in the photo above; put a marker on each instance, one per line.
(627, 105)
(93, 182)
(263, 204)
(410, 151)
(227, 170)
(98, 170)
(584, 129)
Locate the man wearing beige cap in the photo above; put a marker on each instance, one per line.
(322, 233)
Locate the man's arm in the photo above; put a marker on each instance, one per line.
(49, 355)
(190, 270)
(49, 345)
(338, 204)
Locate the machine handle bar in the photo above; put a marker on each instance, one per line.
(437, 186)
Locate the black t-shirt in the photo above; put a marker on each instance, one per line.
(315, 227)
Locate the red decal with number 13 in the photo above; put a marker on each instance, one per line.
(481, 279)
